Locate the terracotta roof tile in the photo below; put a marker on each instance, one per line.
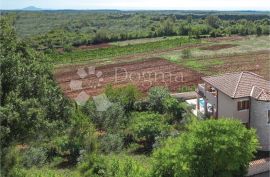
(241, 84)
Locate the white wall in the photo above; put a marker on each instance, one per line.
(227, 107)
(258, 121)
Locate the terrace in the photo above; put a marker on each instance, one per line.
(207, 98)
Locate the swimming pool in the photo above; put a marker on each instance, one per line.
(201, 101)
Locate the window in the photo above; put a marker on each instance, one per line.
(268, 120)
(243, 105)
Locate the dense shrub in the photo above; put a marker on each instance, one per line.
(112, 166)
(111, 143)
(113, 119)
(126, 96)
(32, 105)
(147, 126)
(34, 156)
(177, 110)
(80, 136)
(10, 161)
(156, 96)
(43, 172)
(127, 167)
(94, 165)
(142, 105)
(209, 148)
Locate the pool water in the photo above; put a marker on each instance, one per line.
(201, 101)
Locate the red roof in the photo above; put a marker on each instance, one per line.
(241, 84)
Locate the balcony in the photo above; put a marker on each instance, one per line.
(208, 92)
(211, 97)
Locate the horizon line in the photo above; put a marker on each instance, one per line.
(133, 9)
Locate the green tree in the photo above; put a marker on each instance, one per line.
(126, 96)
(31, 102)
(177, 110)
(147, 126)
(113, 119)
(32, 108)
(259, 31)
(156, 96)
(213, 21)
(209, 148)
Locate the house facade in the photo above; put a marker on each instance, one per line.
(244, 96)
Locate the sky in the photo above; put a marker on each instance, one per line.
(140, 4)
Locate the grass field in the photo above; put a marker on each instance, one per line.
(144, 40)
(111, 52)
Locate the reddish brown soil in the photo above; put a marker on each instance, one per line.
(218, 47)
(144, 74)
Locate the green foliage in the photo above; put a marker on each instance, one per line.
(113, 119)
(126, 96)
(112, 166)
(79, 137)
(156, 97)
(177, 110)
(32, 106)
(90, 27)
(34, 156)
(147, 126)
(141, 105)
(116, 51)
(187, 88)
(10, 160)
(43, 172)
(111, 143)
(127, 167)
(213, 21)
(209, 148)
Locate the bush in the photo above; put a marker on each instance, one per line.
(111, 166)
(34, 156)
(113, 119)
(147, 126)
(111, 143)
(142, 105)
(79, 137)
(126, 167)
(156, 96)
(43, 172)
(177, 110)
(126, 96)
(10, 160)
(209, 148)
(94, 165)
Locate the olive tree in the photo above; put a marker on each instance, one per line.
(209, 148)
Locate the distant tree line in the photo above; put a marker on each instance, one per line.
(67, 29)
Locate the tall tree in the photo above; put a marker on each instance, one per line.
(209, 148)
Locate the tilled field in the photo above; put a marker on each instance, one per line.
(144, 74)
